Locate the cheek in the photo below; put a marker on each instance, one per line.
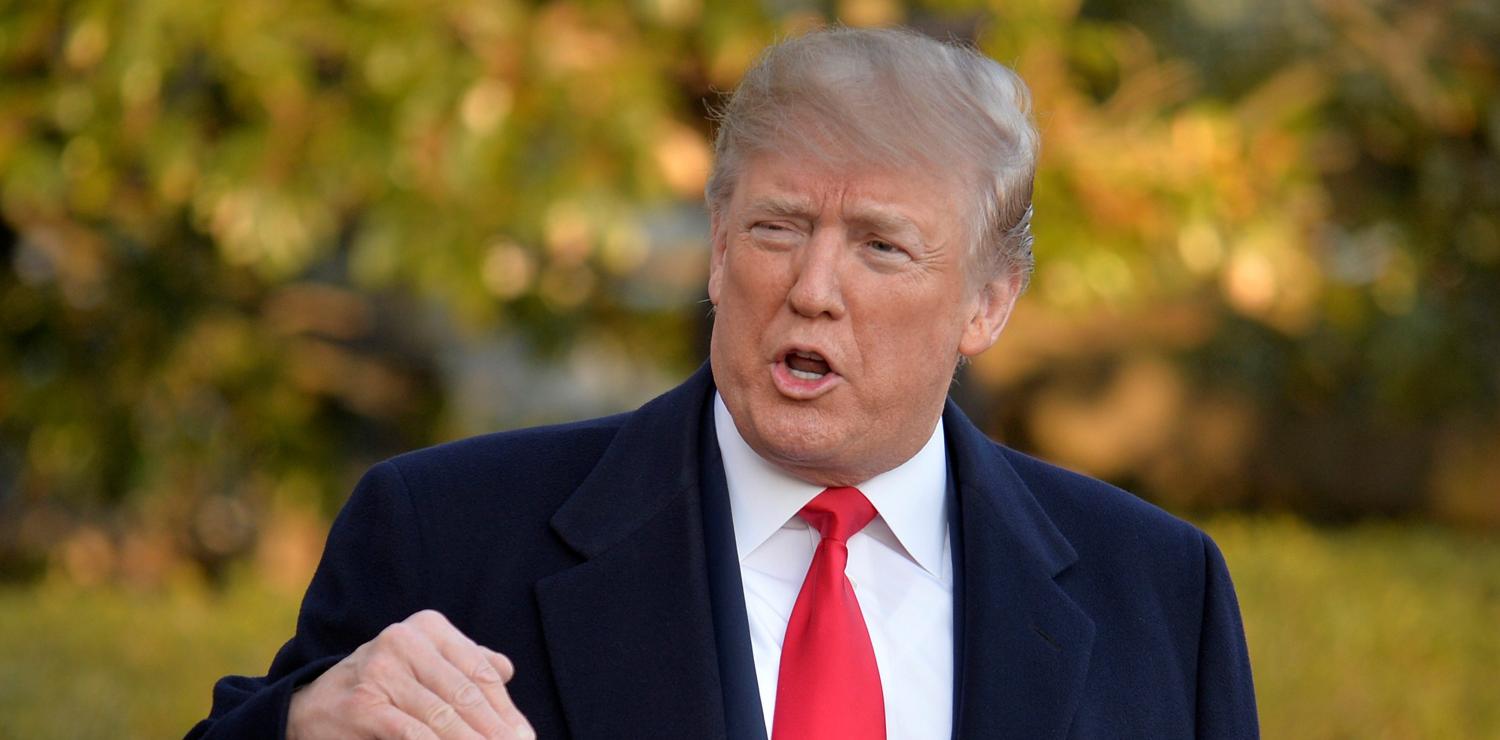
(744, 303)
(754, 280)
(906, 334)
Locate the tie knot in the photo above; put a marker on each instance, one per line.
(837, 513)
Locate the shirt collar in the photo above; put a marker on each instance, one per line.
(911, 498)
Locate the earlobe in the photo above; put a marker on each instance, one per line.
(714, 271)
(992, 307)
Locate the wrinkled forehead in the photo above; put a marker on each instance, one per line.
(859, 162)
(792, 181)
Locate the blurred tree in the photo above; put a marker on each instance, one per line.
(239, 240)
(1270, 240)
(227, 223)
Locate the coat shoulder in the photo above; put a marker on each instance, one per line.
(1107, 524)
(535, 466)
(1169, 655)
(567, 444)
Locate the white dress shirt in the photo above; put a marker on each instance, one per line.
(901, 566)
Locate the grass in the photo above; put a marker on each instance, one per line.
(1374, 631)
(115, 663)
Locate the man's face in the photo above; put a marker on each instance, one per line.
(843, 304)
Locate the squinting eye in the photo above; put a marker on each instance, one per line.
(771, 229)
(885, 247)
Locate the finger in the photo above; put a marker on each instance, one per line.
(503, 664)
(509, 711)
(454, 681)
(481, 665)
(389, 722)
(474, 663)
(488, 670)
(429, 710)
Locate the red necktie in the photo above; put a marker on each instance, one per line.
(829, 685)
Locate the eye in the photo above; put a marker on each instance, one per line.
(770, 227)
(773, 231)
(885, 248)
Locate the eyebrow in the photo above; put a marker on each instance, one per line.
(884, 221)
(785, 207)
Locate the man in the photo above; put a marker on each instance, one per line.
(806, 539)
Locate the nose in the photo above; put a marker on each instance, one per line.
(817, 290)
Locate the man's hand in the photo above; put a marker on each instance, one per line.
(420, 678)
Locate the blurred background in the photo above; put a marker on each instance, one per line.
(249, 249)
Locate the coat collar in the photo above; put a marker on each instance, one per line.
(652, 461)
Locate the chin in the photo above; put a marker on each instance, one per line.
(798, 438)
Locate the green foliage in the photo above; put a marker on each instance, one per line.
(1294, 206)
(245, 248)
(1375, 631)
(226, 225)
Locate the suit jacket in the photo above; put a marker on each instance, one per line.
(580, 551)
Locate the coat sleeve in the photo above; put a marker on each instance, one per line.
(370, 576)
(1226, 695)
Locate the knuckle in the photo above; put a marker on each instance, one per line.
(428, 618)
(380, 666)
(359, 655)
(505, 665)
(504, 659)
(392, 724)
(394, 635)
(441, 717)
(485, 673)
(468, 695)
(412, 731)
(406, 640)
(366, 694)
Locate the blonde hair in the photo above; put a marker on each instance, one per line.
(896, 98)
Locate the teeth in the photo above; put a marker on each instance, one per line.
(806, 365)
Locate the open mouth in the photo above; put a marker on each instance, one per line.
(803, 375)
(806, 365)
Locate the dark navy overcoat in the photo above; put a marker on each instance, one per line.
(599, 556)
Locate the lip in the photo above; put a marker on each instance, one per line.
(797, 388)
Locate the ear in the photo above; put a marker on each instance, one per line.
(991, 309)
(716, 257)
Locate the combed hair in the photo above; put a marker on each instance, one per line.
(895, 98)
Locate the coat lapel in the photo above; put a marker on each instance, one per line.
(1025, 643)
(630, 631)
(744, 715)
